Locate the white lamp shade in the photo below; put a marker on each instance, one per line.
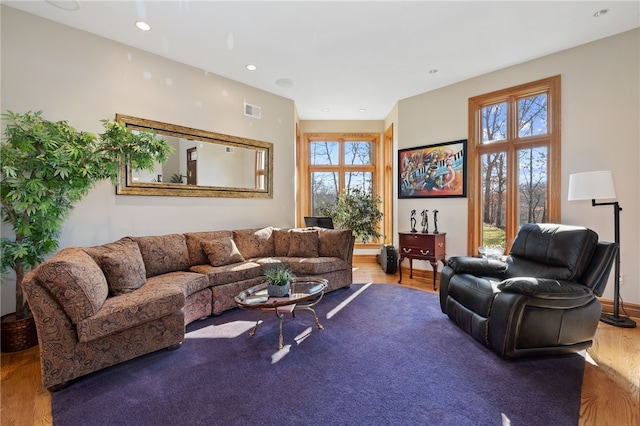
(591, 186)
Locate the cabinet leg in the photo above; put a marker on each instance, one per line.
(434, 266)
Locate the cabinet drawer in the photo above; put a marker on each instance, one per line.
(416, 240)
(422, 245)
(416, 251)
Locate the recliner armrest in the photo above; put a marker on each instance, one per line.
(544, 288)
(477, 266)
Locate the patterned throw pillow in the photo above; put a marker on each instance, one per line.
(303, 243)
(163, 253)
(255, 243)
(76, 281)
(124, 268)
(222, 251)
(281, 239)
(334, 243)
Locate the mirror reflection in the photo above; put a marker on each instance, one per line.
(203, 164)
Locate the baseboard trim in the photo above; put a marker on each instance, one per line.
(630, 309)
(365, 258)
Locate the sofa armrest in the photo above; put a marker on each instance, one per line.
(477, 266)
(54, 326)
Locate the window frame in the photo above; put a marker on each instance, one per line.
(306, 169)
(511, 145)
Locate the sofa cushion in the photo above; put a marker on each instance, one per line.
(124, 268)
(222, 251)
(96, 252)
(232, 273)
(281, 238)
(188, 282)
(130, 310)
(76, 281)
(307, 265)
(163, 253)
(334, 243)
(255, 243)
(194, 240)
(303, 243)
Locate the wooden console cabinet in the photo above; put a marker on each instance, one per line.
(429, 247)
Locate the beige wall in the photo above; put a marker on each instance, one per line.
(600, 131)
(75, 76)
(78, 77)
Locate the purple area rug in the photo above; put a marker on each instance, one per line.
(387, 356)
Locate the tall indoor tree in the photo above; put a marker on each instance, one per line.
(47, 167)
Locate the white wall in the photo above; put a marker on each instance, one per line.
(75, 76)
(600, 131)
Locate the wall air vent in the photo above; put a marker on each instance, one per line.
(252, 110)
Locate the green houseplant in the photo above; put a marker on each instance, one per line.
(357, 210)
(278, 280)
(45, 168)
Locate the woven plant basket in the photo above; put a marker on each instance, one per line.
(18, 335)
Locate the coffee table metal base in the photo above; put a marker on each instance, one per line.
(280, 313)
(304, 293)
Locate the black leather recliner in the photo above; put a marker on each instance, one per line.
(542, 300)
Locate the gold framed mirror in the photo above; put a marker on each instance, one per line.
(203, 164)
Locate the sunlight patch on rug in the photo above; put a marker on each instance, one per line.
(230, 330)
(338, 308)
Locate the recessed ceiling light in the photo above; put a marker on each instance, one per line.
(362, 110)
(600, 13)
(143, 26)
(69, 5)
(285, 82)
(325, 110)
(251, 67)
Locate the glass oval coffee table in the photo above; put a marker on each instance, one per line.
(305, 293)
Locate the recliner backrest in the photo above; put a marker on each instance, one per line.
(597, 274)
(547, 250)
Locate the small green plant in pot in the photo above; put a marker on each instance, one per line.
(278, 280)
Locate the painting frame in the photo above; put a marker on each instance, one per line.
(433, 171)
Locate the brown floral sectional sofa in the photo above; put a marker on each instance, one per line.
(98, 306)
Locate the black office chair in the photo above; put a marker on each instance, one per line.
(319, 221)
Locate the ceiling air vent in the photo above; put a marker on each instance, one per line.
(252, 110)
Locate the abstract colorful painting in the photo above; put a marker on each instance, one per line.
(433, 170)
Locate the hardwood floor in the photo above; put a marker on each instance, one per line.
(610, 390)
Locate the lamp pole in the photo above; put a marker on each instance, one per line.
(615, 319)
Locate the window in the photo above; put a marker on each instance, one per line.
(332, 162)
(514, 161)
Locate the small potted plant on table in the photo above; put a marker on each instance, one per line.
(278, 280)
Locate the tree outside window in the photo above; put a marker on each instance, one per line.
(335, 162)
(514, 161)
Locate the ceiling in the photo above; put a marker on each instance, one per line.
(346, 60)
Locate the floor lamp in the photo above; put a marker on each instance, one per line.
(599, 185)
